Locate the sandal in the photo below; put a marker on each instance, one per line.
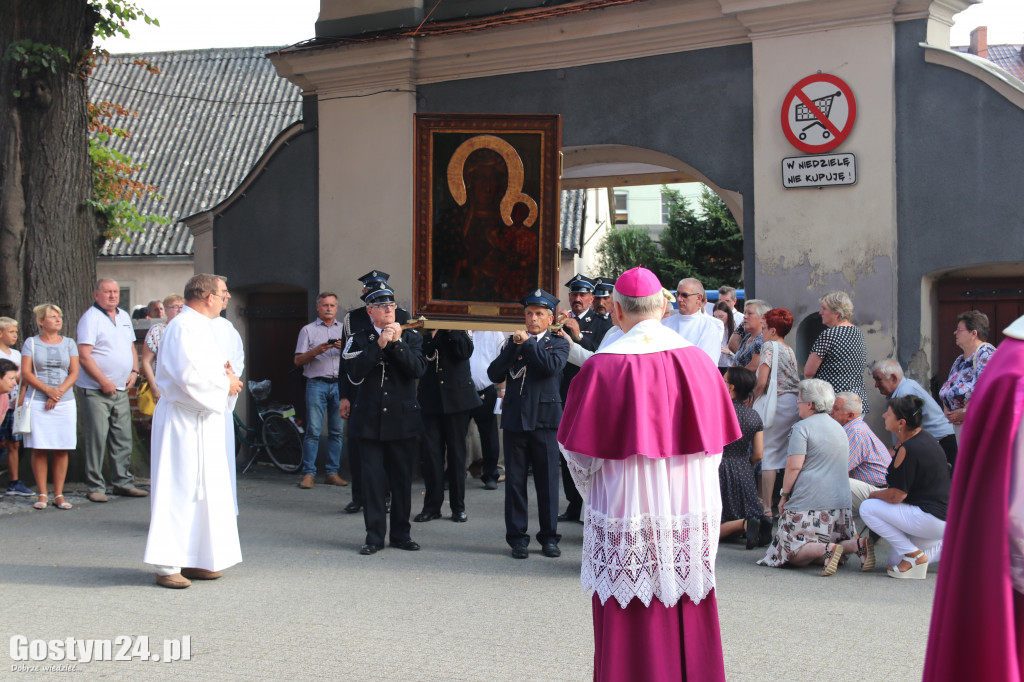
(917, 570)
(866, 553)
(61, 505)
(833, 553)
(41, 502)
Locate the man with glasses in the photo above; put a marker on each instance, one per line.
(318, 353)
(230, 343)
(193, 532)
(357, 320)
(382, 364)
(692, 323)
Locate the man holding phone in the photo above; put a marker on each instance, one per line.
(318, 353)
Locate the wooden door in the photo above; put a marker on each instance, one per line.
(1002, 299)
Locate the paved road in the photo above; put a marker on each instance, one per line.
(305, 603)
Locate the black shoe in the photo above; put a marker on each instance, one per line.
(764, 535)
(368, 549)
(753, 531)
(568, 517)
(407, 545)
(520, 552)
(490, 485)
(352, 507)
(459, 517)
(551, 550)
(426, 516)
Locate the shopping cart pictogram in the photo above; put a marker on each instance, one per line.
(804, 113)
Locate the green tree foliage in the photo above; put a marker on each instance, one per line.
(625, 247)
(707, 245)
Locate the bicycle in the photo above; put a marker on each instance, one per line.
(277, 433)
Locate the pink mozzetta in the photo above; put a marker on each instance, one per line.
(637, 282)
(679, 406)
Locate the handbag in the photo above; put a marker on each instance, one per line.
(766, 404)
(144, 400)
(23, 416)
(23, 413)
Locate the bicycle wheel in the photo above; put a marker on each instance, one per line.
(283, 442)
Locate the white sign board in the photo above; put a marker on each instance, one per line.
(821, 170)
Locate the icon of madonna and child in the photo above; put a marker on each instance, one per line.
(485, 244)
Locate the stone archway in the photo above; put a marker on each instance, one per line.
(614, 165)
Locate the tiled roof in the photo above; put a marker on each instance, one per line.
(1008, 57)
(203, 122)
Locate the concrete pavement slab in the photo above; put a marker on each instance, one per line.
(304, 603)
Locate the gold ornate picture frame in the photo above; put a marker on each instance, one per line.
(486, 206)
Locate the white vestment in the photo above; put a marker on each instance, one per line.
(231, 345)
(193, 523)
(704, 331)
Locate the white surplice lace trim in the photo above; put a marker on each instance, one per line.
(650, 557)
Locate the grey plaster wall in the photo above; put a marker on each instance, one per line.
(959, 170)
(696, 106)
(271, 236)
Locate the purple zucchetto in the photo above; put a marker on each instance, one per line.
(637, 282)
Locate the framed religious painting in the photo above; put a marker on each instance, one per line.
(486, 206)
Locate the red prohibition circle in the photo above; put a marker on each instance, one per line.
(837, 136)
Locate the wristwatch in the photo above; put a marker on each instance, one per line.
(784, 495)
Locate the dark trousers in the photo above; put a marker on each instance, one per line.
(573, 496)
(949, 446)
(387, 463)
(487, 425)
(444, 441)
(538, 449)
(355, 469)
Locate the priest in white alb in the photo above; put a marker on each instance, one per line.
(643, 430)
(692, 323)
(193, 531)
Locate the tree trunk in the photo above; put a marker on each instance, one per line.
(49, 237)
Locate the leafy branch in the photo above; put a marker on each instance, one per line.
(115, 189)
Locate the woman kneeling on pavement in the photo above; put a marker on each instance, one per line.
(815, 521)
(741, 508)
(911, 512)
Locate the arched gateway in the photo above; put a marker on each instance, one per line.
(695, 88)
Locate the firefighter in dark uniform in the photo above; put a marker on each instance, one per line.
(579, 322)
(355, 320)
(530, 363)
(602, 307)
(383, 364)
(448, 398)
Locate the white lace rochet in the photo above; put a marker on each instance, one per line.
(651, 526)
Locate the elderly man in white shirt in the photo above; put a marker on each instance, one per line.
(692, 323)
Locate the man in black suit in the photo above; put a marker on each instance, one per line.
(448, 398)
(531, 364)
(580, 322)
(357, 320)
(383, 365)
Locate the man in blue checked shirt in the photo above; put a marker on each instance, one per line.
(869, 457)
(318, 353)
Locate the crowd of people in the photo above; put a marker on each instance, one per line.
(788, 462)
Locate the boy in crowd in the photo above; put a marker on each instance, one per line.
(9, 439)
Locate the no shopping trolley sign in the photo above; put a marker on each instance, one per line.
(818, 113)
